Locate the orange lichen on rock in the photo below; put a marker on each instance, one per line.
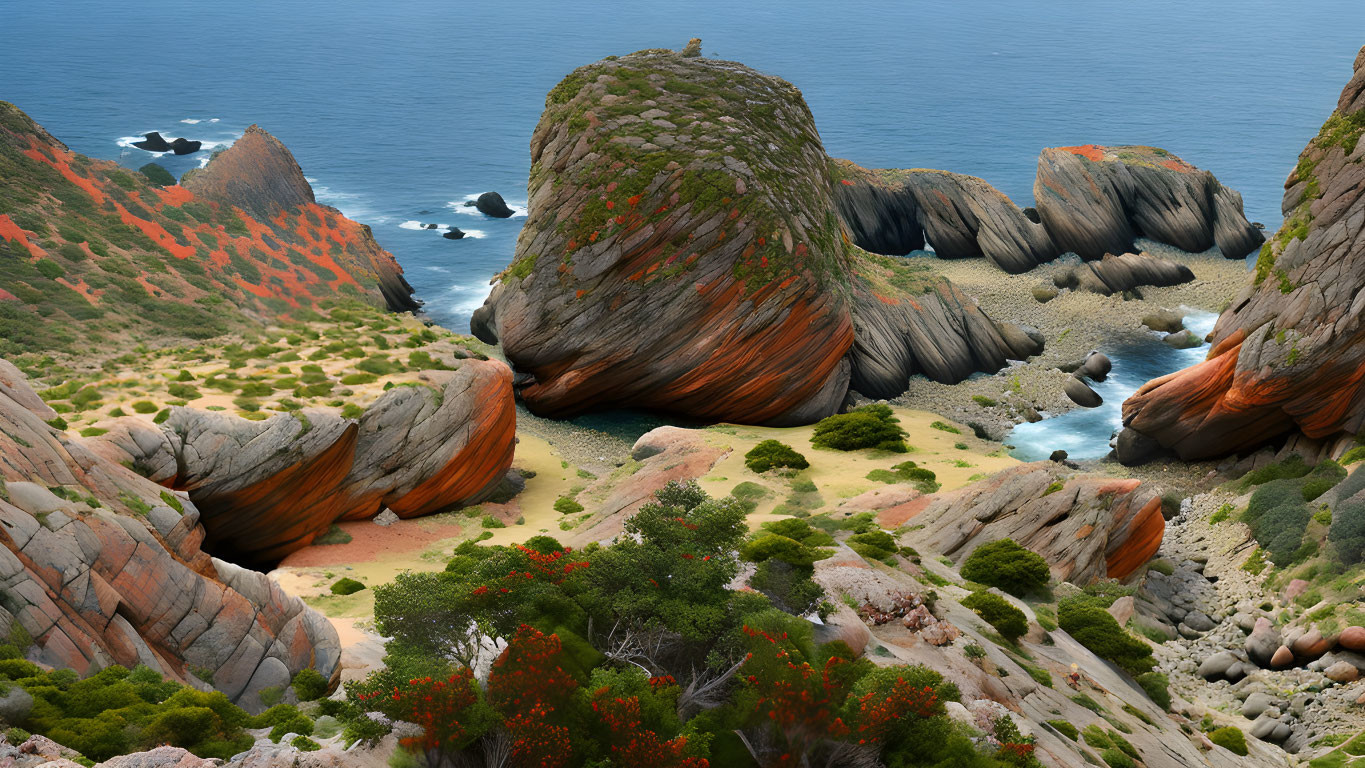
(12, 232)
(1088, 151)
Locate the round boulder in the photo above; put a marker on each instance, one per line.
(1342, 672)
(453, 233)
(492, 204)
(1081, 394)
(1097, 366)
(1352, 638)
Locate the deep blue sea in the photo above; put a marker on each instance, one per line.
(399, 110)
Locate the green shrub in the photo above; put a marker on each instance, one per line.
(1115, 758)
(1156, 686)
(1354, 455)
(1230, 738)
(157, 175)
(1093, 627)
(874, 545)
(1008, 566)
(1221, 514)
(144, 406)
(1291, 468)
(305, 744)
(1065, 728)
(871, 426)
(346, 586)
(334, 534)
(1094, 736)
(907, 472)
(489, 521)
(566, 505)
(1347, 533)
(1278, 517)
(982, 400)
(1087, 702)
(772, 453)
(1009, 621)
(774, 547)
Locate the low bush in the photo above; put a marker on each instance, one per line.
(1156, 686)
(144, 406)
(874, 545)
(871, 426)
(1009, 621)
(907, 472)
(566, 505)
(1230, 738)
(1093, 627)
(773, 453)
(1008, 566)
(157, 175)
(1065, 728)
(346, 586)
(1278, 517)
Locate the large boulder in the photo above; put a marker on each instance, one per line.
(897, 211)
(153, 142)
(1086, 527)
(1289, 351)
(126, 582)
(683, 252)
(1117, 274)
(267, 488)
(1095, 200)
(492, 204)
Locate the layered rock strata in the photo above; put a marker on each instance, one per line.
(1288, 354)
(101, 566)
(683, 252)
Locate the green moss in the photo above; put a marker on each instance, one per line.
(346, 586)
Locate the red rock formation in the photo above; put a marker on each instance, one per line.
(1289, 353)
(1086, 527)
(111, 571)
(245, 230)
(267, 488)
(682, 253)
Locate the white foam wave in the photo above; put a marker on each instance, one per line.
(192, 121)
(421, 226)
(474, 233)
(465, 298)
(518, 206)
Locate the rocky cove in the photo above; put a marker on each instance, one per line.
(834, 519)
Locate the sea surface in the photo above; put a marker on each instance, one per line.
(398, 111)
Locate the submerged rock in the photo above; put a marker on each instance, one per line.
(1288, 352)
(154, 142)
(453, 233)
(1081, 394)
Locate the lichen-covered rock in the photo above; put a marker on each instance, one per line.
(1095, 200)
(683, 252)
(109, 570)
(897, 211)
(267, 488)
(1086, 527)
(1289, 352)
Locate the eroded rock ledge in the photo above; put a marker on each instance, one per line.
(1091, 200)
(683, 252)
(102, 566)
(267, 488)
(1288, 355)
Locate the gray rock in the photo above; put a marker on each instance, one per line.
(1081, 394)
(386, 518)
(1096, 366)
(15, 704)
(1257, 703)
(1197, 620)
(1262, 643)
(1044, 293)
(1217, 665)
(1165, 321)
(1271, 730)
(1182, 340)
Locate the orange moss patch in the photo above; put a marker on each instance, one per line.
(61, 161)
(175, 196)
(11, 231)
(1088, 151)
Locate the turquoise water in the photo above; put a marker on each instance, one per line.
(398, 109)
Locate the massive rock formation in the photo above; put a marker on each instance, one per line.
(683, 252)
(1091, 200)
(895, 212)
(101, 566)
(94, 252)
(1086, 527)
(1094, 200)
(267, 488)
(1289, 353)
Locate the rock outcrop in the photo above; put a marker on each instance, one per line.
(267, 488)
(1090, 200)
(897, 211)
(1095, 200)
(244, 230)
(257, 174)
(101, 566)
(186, 146)
(1117, 274)
(153, 142)
(1288, 355)
(1086, 527)
(492, 204)
(683, 253)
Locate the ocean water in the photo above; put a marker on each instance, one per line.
(400, 110)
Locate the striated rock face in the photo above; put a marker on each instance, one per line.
(257, 174)
(1086, 527)
(897, 211)
(1094, 200)
(1116, 274)
(1289, 353)
(1091, 200)
(683, 252)
(109, 570)
(267, 488)
(243, 241)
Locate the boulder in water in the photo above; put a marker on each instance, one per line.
(453, 233)
(153, 143)
(1165, 321)
(186, 146)
(1182, 340)
(1096, 366)
(1081, 394)
(492, 204)
(429, 226)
